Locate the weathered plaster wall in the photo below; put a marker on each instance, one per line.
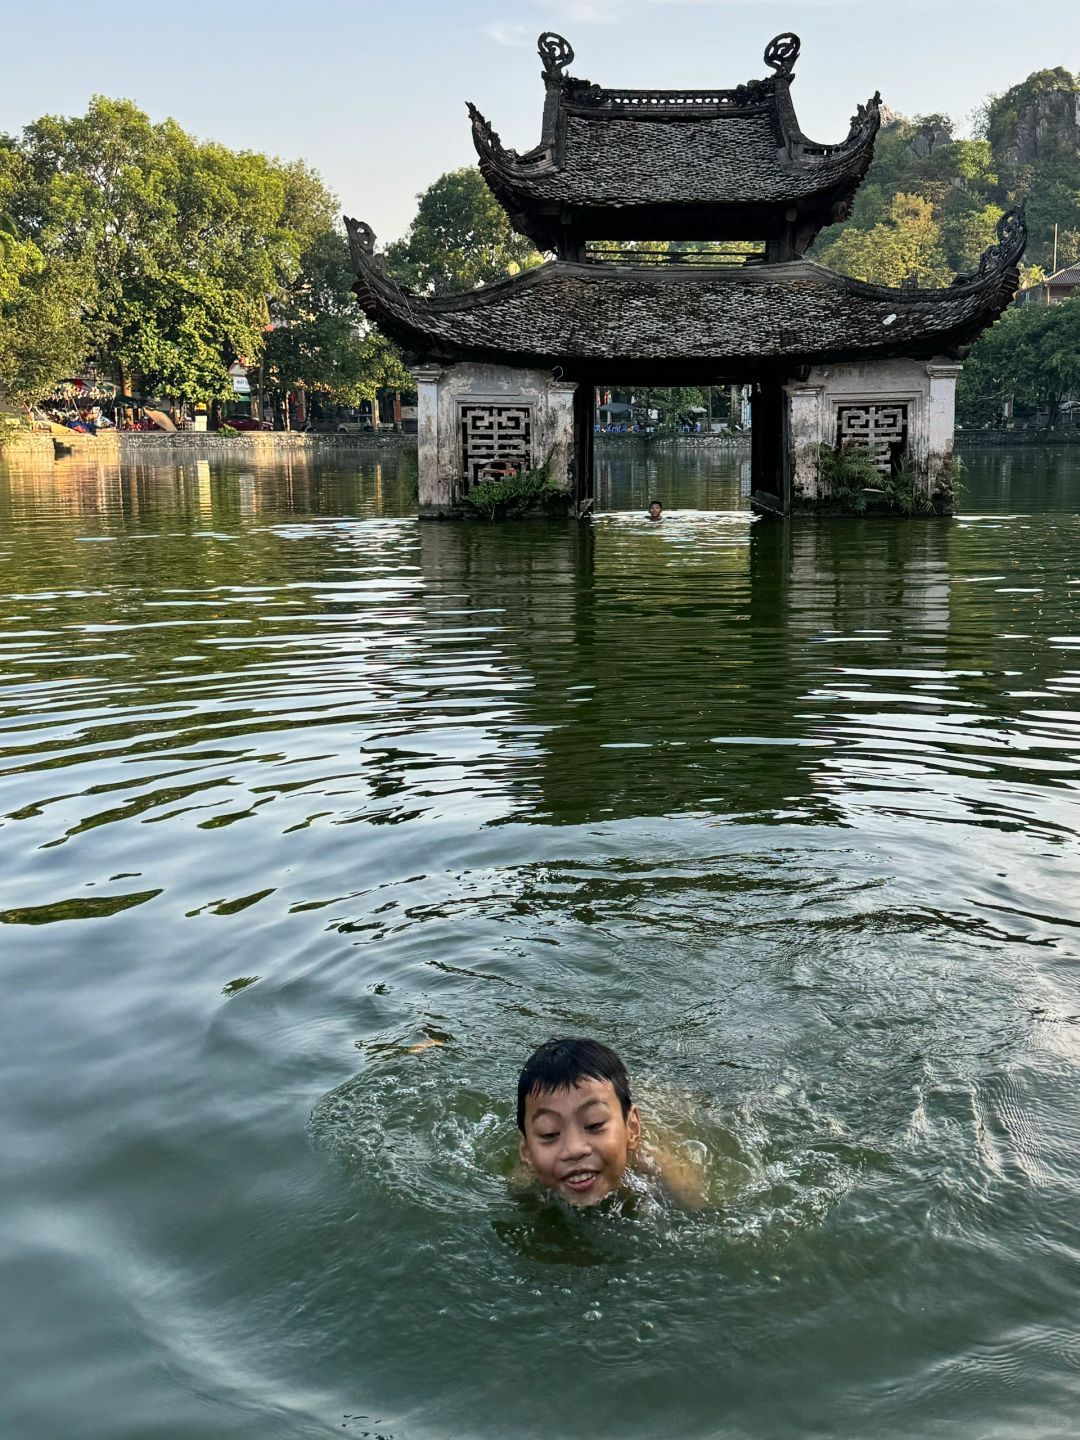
(440, 394)
(927, 388)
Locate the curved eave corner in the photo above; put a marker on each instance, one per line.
(499, 167)
(852, 155)
(383, 301)
(996, 278)
(988, 290)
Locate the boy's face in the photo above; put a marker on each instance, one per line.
(655, 511)
(576, 1141)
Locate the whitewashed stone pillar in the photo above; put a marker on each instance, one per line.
(806, 433)
(559, 430)
(941, 416)
(427, 437)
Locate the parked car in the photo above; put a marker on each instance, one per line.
(354, 427)
(248, 422)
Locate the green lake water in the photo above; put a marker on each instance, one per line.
(291, 784)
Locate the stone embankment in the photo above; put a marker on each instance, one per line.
(1007, 439)
(193, 444)
(720, 442)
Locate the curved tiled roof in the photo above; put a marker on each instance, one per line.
(650, 150)
(575, 314)
(732, 158)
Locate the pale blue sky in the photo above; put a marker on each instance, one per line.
(373, 94)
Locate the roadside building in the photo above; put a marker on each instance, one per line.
(1062, 285)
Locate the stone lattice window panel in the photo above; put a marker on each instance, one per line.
(880, 429)
(496, 440)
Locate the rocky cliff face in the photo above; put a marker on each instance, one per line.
(1044, 128)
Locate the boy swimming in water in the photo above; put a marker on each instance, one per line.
(580, 1132)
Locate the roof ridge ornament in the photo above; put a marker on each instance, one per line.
(361, 242)
(1012, 233)
(865, 116)
(782, 52)
(555, 52)
(487, 138)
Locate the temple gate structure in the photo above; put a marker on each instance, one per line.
(506, 373)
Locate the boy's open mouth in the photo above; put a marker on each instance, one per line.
(579, 1180)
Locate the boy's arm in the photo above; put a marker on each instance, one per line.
(683, 1175)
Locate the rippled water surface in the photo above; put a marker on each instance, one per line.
(314, 820)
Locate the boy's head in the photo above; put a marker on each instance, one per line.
(578, 1125)
(656, 510)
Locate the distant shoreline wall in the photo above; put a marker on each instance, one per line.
(722, 442)
(194, 445)
(258, 444)
(1009, 439)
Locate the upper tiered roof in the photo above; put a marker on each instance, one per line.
(675, 164)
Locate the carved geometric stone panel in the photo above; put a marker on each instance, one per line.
(496, 440)
(880, 429)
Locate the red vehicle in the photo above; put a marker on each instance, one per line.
(248, 422)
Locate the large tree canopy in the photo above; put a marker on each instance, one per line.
(1031, 355)
(460, 238)
(163, 258)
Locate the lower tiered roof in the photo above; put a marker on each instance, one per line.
(579, 315)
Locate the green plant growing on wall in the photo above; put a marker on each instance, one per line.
(516, 495)
(850, 481)
(846, 476)
(904, 490)
(947, 486)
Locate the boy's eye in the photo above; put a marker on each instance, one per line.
(548, 1134)
(596, 1125)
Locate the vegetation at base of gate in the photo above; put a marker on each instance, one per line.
(532, 492)
(845, 476)
(948, 486)
(852, 483)
(906, 491)
(227, 430)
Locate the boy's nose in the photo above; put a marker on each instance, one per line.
(575, 1143)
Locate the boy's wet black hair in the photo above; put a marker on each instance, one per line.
(656, 503)
(560, 1064)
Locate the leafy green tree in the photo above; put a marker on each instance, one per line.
(318, 339)
(42, 338)
(673, 402)
(41, 334)
(1031, 355)
(177, 245)
(968, 227)
(907, 242)
(459, 239)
